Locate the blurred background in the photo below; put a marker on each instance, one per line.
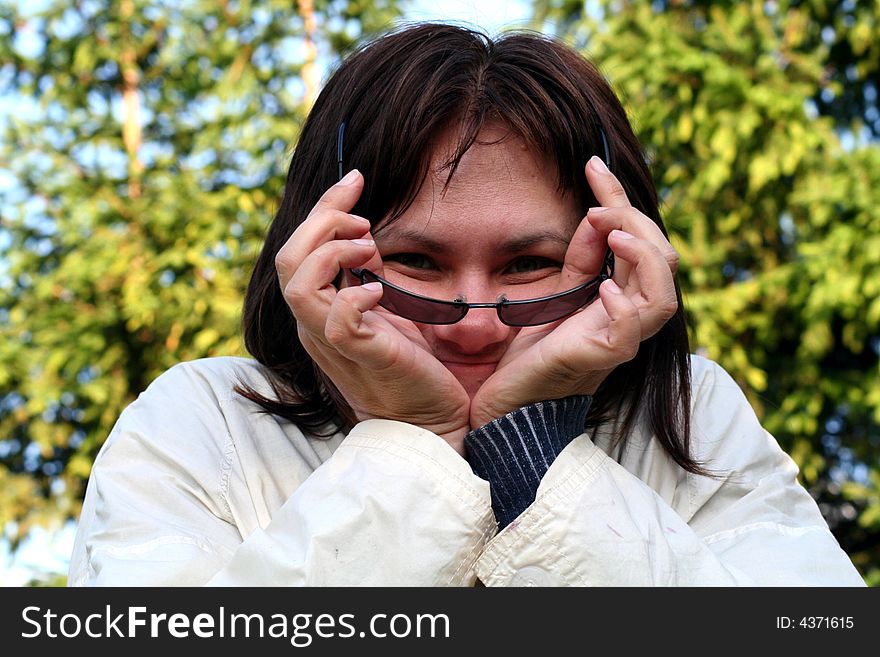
(143, 150)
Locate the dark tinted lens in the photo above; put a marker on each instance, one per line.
(416, 308)
(533, 313)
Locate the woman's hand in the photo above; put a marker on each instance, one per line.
(379, 362)
(574, 355)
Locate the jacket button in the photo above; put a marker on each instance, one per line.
(532, 576)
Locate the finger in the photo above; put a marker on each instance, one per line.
(328, 220)
(374, 264)
(609, 193)
(311, 234)
(651, 287)
(605, 185)
(345, 328)
(624, 326)
(310, 290)
(634, 222)
(343, 195)
(583, 257)
(610, 331)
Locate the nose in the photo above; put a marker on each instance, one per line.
(480, 332)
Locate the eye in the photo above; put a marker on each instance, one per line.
(411, 260)
(530, 264)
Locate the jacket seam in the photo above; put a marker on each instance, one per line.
(586, 472)
(509, 544)
(226, 475)
(774, 526)
(470, 559)
(159, 541)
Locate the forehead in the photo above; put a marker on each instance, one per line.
(500, 189)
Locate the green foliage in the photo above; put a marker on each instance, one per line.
(139, 168)
(745, 110)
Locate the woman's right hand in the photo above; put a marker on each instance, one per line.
(379, 362)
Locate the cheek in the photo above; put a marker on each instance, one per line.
(442, 289)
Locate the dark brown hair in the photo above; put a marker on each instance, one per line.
(397, 95)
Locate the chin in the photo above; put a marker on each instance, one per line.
(471, 388)
(471, 377)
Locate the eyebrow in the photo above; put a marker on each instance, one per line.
(515, 245)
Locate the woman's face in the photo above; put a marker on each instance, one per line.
(501, 227)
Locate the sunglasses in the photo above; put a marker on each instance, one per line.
(526, 312)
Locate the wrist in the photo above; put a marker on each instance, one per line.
(491, 405)
(529, 439)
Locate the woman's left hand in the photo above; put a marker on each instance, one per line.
(574, 355)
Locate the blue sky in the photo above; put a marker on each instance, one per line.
(491, 15)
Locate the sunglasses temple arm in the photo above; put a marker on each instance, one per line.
(609, 263)
(339, 138)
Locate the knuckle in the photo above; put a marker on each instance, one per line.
(673, 258)
(317, 213)
(327, 200)
(617, 191)
(669, 308)
(305, 337)
(295, 293)
(626, 347)
(323, 250)
(329, 250)
(627, 343)
(338, 329)
(668, 304)
(334, 332)
(282, 262)
(629, 346)
(325, 213)
(630, 350)
(634, 215)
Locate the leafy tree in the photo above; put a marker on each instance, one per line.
(759, 121)
(139, 167)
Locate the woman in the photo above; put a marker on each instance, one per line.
(471, 364)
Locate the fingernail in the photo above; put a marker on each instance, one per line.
(372, 287)
(362, 241)
(613, 287)
(622, 234)
(361, 220)
(350, 177)
(598, 165)
(596, 210)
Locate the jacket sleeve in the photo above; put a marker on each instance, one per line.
(393, 505)
(596, 523)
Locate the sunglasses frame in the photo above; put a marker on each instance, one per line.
(462, 306)
(499, 306)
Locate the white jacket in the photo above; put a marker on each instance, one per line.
(194, 486)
